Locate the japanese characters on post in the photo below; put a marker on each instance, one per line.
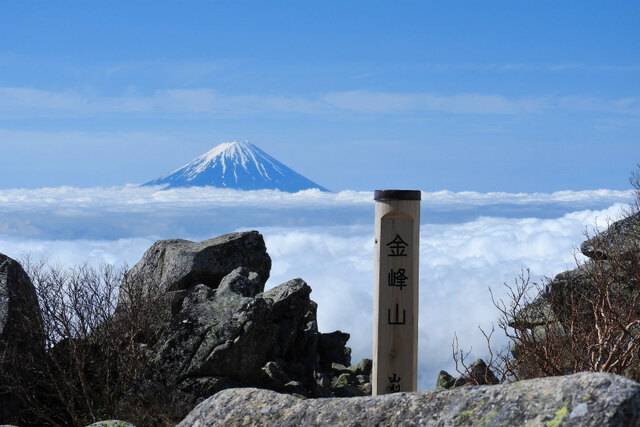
(395, 328)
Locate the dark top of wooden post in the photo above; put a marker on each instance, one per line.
(383, 195)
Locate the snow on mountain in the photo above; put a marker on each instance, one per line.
(237, 165)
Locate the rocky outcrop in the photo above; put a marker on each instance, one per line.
(332, 348)
(478, 373)
(610, 276)
(21, 334)
(225, 331)
(209, 325)
(220, 336)
(20, 320)
(172, 265)
(586, 399)
(621, 238)
(613, 253)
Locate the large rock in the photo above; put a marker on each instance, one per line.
(621, 238)
(172, 265)
(586, 399)
(224, 330)
(332, 348)
(478, 373)
(20, 319)
(222, 334)
(572, 297)
(620, 241)
(230, 337)
(615, 257)
(21, 333)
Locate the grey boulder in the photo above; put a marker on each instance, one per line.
(585, 399)
(622, 238)
(20, 319)
(478, 373)
(229, 334)
(219, 329)
(172, 265)
(21, 334)
(613, 256)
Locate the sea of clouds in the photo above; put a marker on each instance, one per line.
(470, 242)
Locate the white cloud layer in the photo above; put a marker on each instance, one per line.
(459, 261)
(65, 213)
(134, 198)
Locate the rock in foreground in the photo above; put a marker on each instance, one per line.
(585, 399)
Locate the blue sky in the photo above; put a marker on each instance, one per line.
(484, 96)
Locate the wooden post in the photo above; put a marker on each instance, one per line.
(395, 311)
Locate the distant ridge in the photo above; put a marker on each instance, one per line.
(237, 165)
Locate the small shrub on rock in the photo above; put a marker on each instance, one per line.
(586, 319)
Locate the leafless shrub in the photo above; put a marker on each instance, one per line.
(96, 359)
(584, 320)
(588, 322)
(498, 368)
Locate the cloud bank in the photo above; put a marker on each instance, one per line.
(459, 263)
(66, 213)
(459, 260)
(134, 198)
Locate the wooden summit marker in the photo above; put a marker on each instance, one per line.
(395, 311)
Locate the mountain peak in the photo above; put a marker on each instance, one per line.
(227, 148)
(234, 150)
(239, 165)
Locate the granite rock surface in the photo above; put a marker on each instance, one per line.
(585, 399)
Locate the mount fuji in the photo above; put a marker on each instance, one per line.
(237, 165)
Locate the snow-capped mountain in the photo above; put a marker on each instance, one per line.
(237, 165)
